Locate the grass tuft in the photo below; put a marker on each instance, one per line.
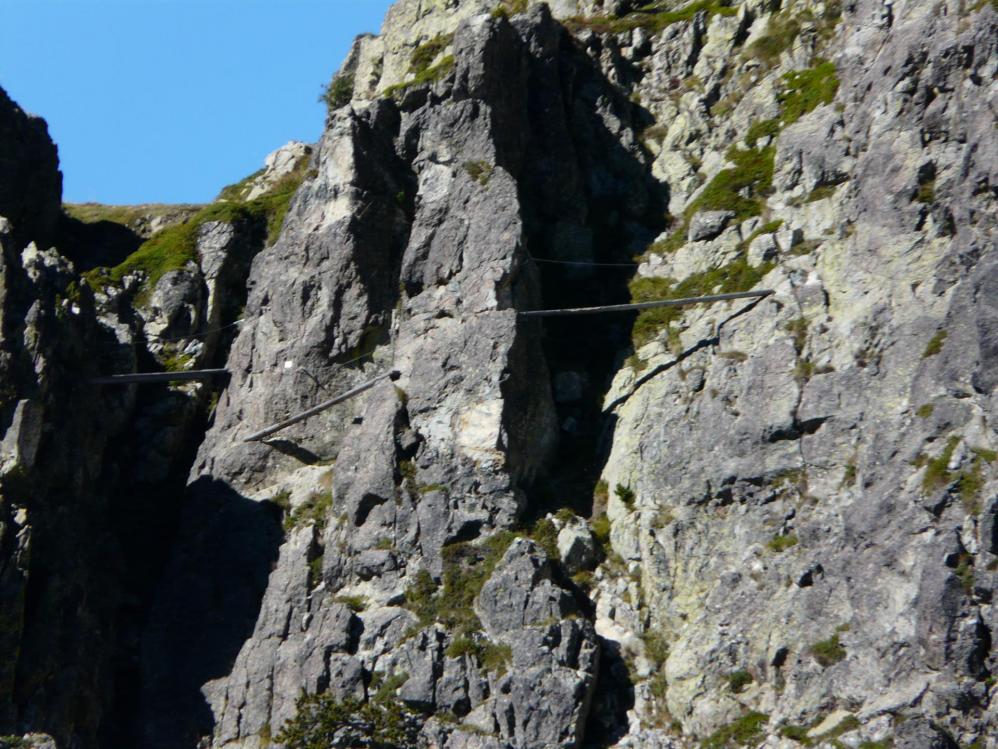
(745, 731)
(424, 77)
(935, 344)
(424, 55)
(738, 680)
(806, 90)
(828, 652)
(653, 17)
(176, 246)
(779, 544)
(736, 276)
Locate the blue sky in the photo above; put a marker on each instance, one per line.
(170, 100)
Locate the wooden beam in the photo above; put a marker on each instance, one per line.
(648, 305)
(143, 377)
(264, 433)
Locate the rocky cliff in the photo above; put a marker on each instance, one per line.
(755, 523)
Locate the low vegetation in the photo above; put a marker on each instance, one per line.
(176, 246)
(935, 344)
(132, 216)
(806, 90)
(313, 510)
(337, 93)
(626, 495)
(653, 17)
(780, 35)
(427, 76)
(735, 276)
(937, 474)
(493, 657)
(828, 652)
(738, 680)
(740, 188)
(779, 544)
(467, 567)
(745, 731)
(480, 171)
(424, 55)
(323, 721)
(507, 8)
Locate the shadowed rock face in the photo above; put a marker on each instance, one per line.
(31, 192)
(801, 491)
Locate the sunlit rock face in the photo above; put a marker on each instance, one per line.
(765, 522)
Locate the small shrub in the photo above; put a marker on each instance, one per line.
(565, 515)
(849, 477)
(848, 723)
(779, 544)
(177, 362)
(480, 171)
(925, 410)
(926, 192)
(313, 510)
(354, 603)
(656, 647)
(738, 680)
(988, 456)
(322, 721)
(798, 332)
(745, 731)
(828, 652)
(496, 657)
(820, 193)
(583, 579)
(546, 536)
(935, 344)
(282, 499)
(601, 531)
(965, 572)
(937, 474)
(625, 494)
(338, 93)
(463, 646)
(653, 17)
(507, 8)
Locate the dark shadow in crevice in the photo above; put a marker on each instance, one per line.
(101, 243)
(613, 698)
(207, 607)
(293, 450)
(590, 205)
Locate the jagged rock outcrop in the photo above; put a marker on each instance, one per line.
(31, 191)
(59, 558)
(765, 523)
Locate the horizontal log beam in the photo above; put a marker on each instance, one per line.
(648, 305)
(264, 433)
(144, 377)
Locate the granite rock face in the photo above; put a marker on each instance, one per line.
(767, 523)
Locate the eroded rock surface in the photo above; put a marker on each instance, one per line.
(764, 523)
